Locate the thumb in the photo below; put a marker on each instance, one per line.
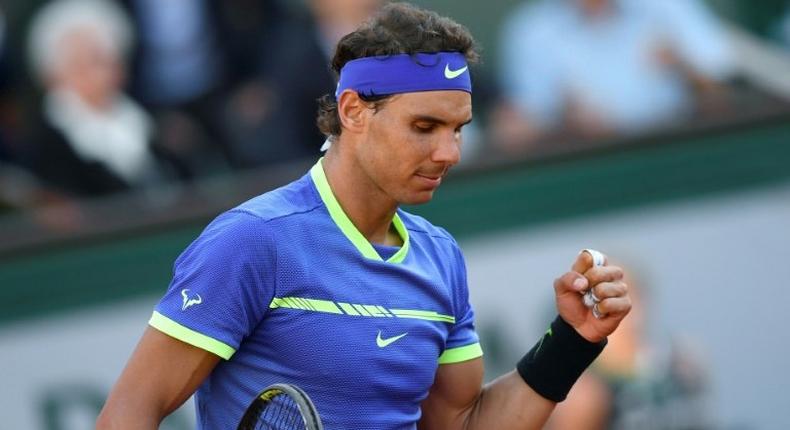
(587, 259)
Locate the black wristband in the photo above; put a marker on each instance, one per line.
(554, 364)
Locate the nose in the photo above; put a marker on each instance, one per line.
(448, 150)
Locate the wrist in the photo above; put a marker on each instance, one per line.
(554, 364)
(588, 335)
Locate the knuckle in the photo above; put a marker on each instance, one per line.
(610, 305)
(625, 305)
(601, 290)
(594, 275)
(614, 273)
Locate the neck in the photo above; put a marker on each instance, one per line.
(365, 204)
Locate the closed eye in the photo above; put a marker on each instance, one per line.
(424, 128)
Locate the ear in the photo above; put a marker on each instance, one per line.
(353, 111)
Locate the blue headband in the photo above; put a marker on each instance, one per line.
(405, 73)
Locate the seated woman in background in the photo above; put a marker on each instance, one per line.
(89, 139)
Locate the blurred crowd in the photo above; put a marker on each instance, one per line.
(103, 96)
(602, 67)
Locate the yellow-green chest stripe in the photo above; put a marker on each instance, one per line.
(357, 310)
(314, 305)
(422, 315)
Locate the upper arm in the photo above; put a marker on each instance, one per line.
(453, 395)
(459, 377)
(160, 376)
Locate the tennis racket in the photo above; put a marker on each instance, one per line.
(281, 407)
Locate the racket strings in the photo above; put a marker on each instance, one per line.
(280, 413)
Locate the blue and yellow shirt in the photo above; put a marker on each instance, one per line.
(286, 289)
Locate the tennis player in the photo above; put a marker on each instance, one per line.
(325, 283)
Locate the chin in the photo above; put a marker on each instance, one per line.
(418, 198)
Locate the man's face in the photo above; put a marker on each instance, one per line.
(412, 141)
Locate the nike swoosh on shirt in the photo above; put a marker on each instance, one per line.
(452, 74)
(382, 343)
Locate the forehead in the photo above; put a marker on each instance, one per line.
(450, 106)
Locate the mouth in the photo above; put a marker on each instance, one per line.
(431, 180)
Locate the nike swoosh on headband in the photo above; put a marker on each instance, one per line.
(452, 74)
(405, 73)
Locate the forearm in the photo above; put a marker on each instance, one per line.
(524, 398)
(508, 403)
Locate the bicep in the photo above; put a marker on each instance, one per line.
(453, 395)
(160, 376)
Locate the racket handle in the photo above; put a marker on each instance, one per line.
(589, 299)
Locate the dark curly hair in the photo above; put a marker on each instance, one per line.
(399, 28)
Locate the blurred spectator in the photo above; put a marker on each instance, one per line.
(89, 138)
(269, 120)
(19, 189)
(6, 110)
(599, 67)
(4, 147)
(179, 70)
(631, 386)
(178, 58)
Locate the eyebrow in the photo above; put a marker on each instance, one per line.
(433, 119)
